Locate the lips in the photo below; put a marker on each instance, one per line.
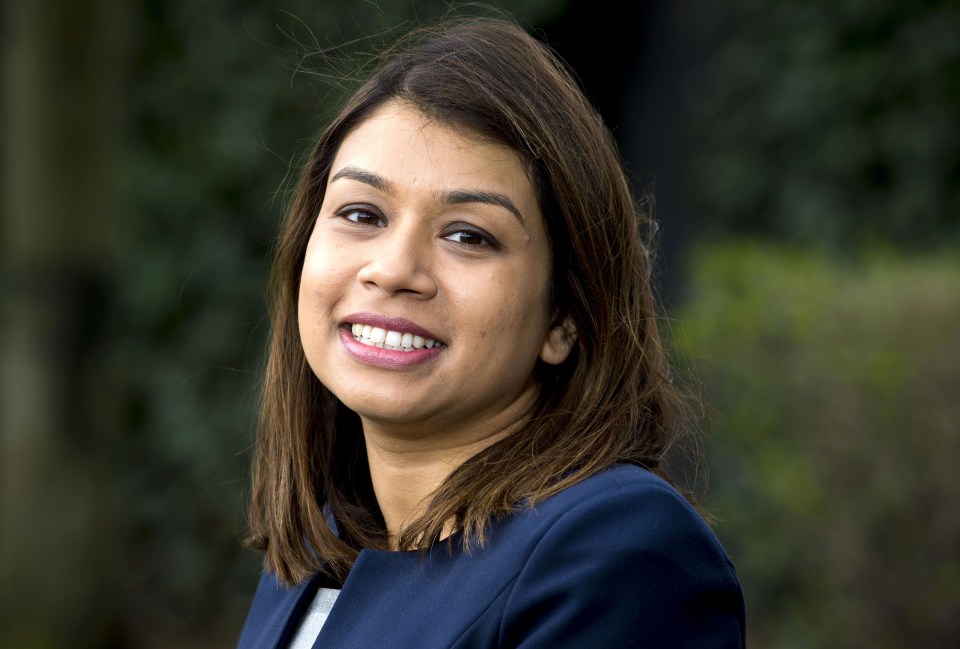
(391, 334)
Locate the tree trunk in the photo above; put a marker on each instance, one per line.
(60, 124)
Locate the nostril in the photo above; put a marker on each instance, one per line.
(402, 273)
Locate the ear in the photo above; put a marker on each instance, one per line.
(559, 342)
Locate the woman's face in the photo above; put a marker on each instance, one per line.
(424, 295)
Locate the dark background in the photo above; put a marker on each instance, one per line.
(804, 157)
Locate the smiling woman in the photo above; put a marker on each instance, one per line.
(467, 407)
(438, 236)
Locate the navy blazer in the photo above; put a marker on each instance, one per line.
(617, 560)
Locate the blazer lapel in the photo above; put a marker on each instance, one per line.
(275, 612)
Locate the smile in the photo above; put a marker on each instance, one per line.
(390, 339)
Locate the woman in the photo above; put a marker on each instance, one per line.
(467, 405)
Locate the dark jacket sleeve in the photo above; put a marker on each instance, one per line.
(630, 567)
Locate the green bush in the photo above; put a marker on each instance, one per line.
(835, 387)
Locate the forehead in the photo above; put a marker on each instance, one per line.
(399, 142)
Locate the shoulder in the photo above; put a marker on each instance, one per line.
(622, 558)
(626, 503)
(626, 509)
(619, 482)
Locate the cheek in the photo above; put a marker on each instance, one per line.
(324, 276)
(324, 258)
(508, 311)
(489, 302)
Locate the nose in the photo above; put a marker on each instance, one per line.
(400, 264)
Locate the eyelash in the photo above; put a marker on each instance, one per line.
(486, 239)
(346, 213)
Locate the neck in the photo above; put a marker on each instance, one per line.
(406, 468)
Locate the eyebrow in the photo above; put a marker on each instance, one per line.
(490, 198)
(374, 180)
(452, 197)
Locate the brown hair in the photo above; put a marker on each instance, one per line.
(611, 401)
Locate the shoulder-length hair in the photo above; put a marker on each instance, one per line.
(611, 401)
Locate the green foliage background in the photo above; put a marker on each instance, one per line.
(818, 301)
(835, 383)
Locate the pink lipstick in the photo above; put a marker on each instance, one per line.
(388, 342)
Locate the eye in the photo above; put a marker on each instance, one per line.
(470, 236)
(362, 216)
(467, 238)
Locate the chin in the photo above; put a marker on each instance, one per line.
(384, 412)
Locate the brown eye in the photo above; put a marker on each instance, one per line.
(470, 237)
(363, 217)
(467, 238)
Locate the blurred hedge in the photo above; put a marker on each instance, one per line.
(836, 385)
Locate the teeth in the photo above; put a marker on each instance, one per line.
(393, 340)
